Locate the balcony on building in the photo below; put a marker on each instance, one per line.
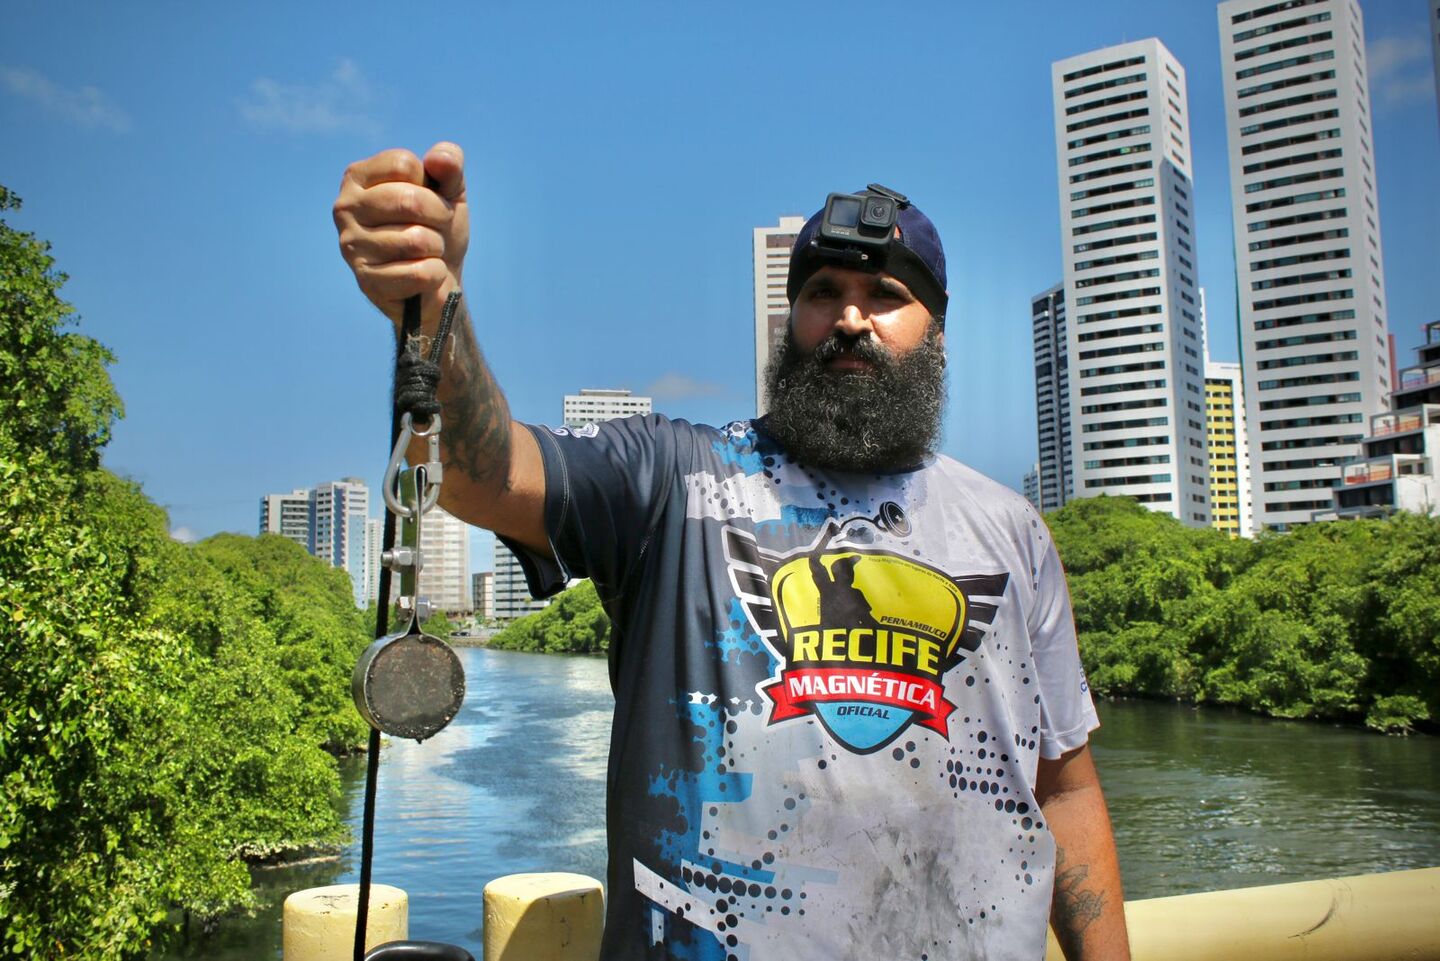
(1396, 470)
(1420, 382)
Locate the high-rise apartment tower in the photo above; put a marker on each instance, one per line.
(482, 592)
(1052, 398)
(287, 515)
(1030, 485)
(445, 548)
(1133, 328)
(374, 538)
(772, 306)
(1225, 437)
(338, 511)
(1310, 276)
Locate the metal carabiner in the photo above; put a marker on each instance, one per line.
(434, 471)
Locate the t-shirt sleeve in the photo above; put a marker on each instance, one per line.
(1067, 713)
(605, 486)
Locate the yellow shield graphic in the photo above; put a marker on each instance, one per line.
(867, 638)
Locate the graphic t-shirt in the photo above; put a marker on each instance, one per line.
(832, 690)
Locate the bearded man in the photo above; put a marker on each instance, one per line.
(850, 719)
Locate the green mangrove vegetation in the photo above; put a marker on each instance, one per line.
(168, 712)
(1339, 620)
(574, 623)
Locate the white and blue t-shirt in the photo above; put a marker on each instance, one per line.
(832, 690)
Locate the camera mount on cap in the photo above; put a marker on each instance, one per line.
(856, 227)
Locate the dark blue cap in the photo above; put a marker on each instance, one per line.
(914, 257)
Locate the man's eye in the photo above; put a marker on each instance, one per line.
(820, 293)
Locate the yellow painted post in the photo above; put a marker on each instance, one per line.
(543, 917)
(1372, 917)
(319, 923)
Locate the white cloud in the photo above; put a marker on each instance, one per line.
(1402, 90)
(673, 386)
(85, 106)
(1387, 55)
(184, 535)
(341, 102)
(1399, 69)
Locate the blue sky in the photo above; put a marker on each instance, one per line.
(182, 158)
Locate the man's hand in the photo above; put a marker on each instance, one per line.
(400, 236)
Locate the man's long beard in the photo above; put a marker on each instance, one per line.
(885, 418)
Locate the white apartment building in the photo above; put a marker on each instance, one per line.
(482, 592)
(772, 306)
(512, 595)
(1030, 485)
(287, 515)
(1133, 326)
(593, 405)
(445, 549)
(374, 538)
(1052, 399)
(1309, 270)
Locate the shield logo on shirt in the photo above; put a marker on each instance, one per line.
(863, 637)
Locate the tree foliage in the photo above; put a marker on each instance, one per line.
(1333, 620)
(574, 623)
(163, 707)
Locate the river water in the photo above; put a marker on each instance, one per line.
(1201, 799)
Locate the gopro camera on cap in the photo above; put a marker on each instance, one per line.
(863, 219)
(854, 225)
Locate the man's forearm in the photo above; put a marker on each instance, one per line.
(476, 430)
(475, 434)
(1087, 909)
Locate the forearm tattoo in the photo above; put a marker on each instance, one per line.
(476, 431)
(1074, 907)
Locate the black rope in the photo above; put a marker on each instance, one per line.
(409, 328)
(417, 378)
(367, 843)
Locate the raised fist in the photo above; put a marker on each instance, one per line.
(404, 226)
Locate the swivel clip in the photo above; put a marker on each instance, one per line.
(434, 472)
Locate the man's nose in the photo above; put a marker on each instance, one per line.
(854, 321)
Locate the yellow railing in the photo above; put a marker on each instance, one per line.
(559, 917)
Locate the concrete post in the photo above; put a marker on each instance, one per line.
(319, 923)
(543, 917)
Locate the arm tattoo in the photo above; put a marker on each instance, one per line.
(1073, 908)
(476, 431)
